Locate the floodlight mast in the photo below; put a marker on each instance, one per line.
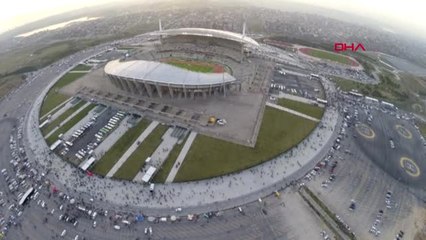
(160, 29)
(242, 41)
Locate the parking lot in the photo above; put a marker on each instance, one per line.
(308, 87)
(84, 140)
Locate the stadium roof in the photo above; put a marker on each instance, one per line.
(164, 74)
(207, 33)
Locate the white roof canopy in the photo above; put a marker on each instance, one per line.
(165, 74)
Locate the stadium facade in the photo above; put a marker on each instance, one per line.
(158, 79)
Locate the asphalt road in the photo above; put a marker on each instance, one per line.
(379, 149)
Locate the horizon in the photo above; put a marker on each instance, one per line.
(394, 15)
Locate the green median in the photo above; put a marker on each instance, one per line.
(163, 172)
(49, 127)
(69, 124)
(134, 163)
(108, 160)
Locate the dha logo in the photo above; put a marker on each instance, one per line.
(341, 47)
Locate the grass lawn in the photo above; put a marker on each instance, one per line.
(53, 97)
(105, 164)
(422, 127)
(195, 66)
(161, 175)
(192, 67)
(308, 109)
(82, 67)
(134, 163)
(346, 84)
(209, 157)
(328, 55)
(46, 129)
(69, 124)
(42, 119)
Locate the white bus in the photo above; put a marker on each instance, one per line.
(315, 76)
(25, 196)
(319, 100)
(356, 94)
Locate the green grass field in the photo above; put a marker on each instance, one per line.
(308, 109)
(82, 67)
(328, 56)
(161, 175)
(422, 128)
(42, 119)
(192, 66)
(134, 163)
(104, 164)
(68, 125)
(209, 157)
(53, 97)
(346, 84)
(45, 130)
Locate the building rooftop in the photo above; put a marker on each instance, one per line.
(164, 74)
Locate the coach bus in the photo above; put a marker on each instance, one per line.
(25, 196)
(322, 101)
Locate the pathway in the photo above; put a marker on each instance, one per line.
(112, 138)
(132, 148)
(181, 157)
(59, 106)
(296, 98)
(292, 112)
(160, 154)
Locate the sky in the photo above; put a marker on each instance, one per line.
(401, 13)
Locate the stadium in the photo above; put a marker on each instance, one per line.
(186, 77)
(185, 63)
